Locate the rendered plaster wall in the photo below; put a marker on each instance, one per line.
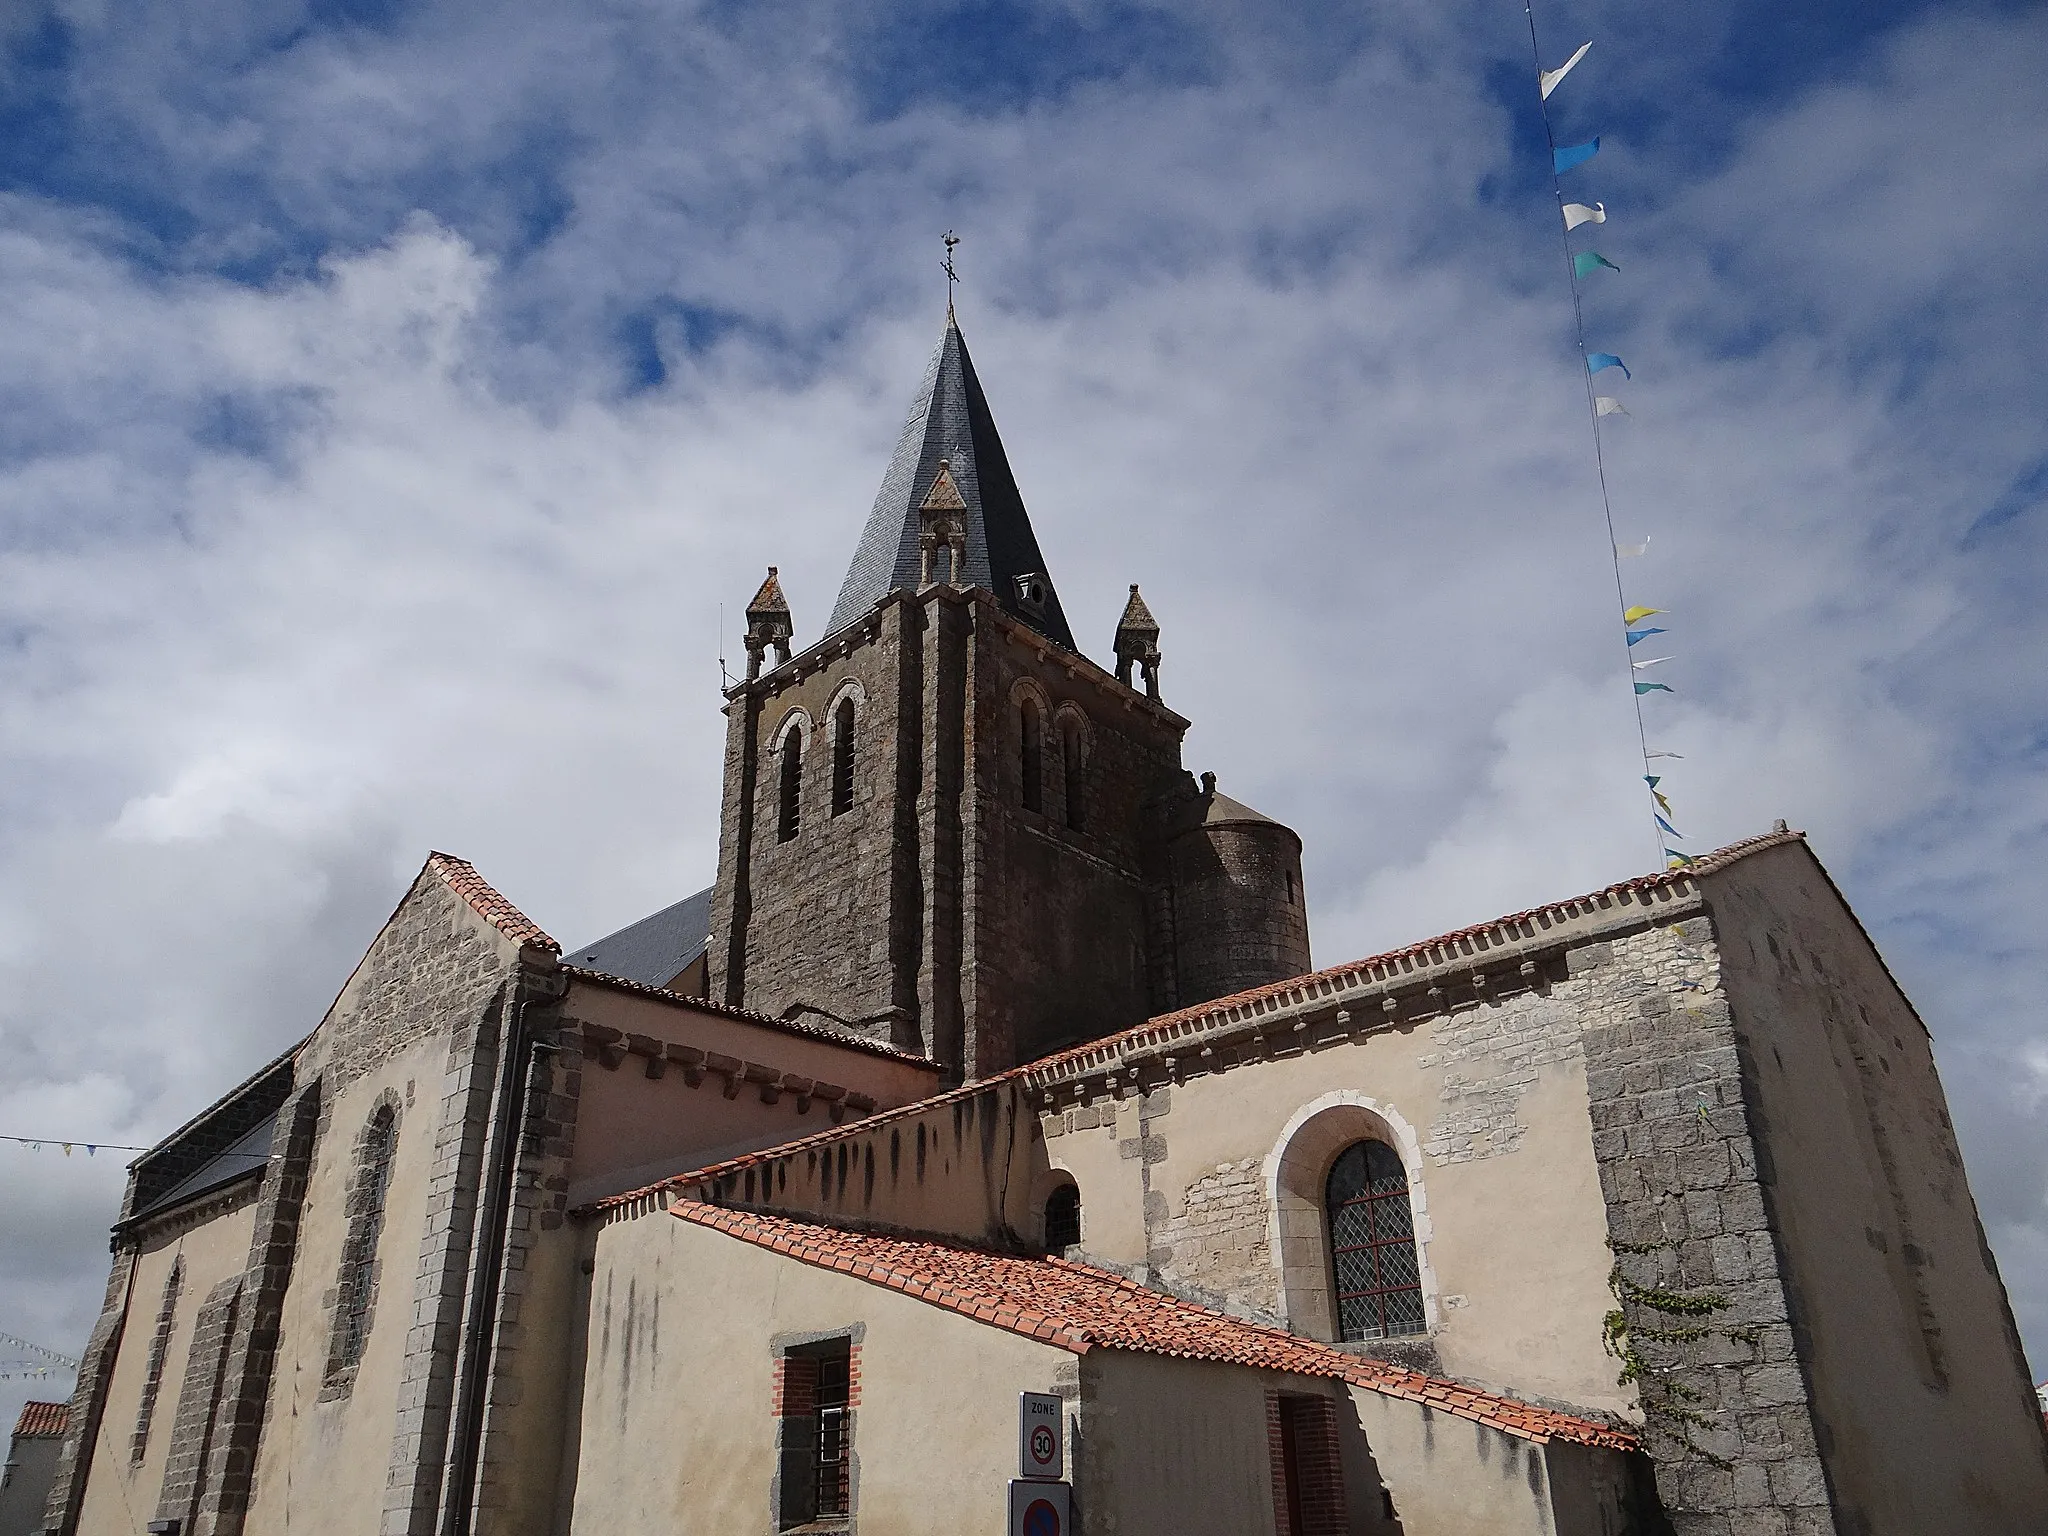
(633, 1129)
(120, 1493)
(31, 1468)
(1453, 1477)
(1926, 1420)
(677, 1432)
(1486, 1104)
(1171, 1446)
(964, 1167)
(324, 1452)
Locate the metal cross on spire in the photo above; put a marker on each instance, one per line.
(952, 275)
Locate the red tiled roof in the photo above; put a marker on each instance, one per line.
(1705, 864)
(1078, 1307)
(473, 888)
(42, 1421)
(747, 1015)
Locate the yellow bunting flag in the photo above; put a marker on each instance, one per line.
(1633, 614)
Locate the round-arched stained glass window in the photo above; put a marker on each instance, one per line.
(1372, 1244)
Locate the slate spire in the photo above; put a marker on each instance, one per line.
(950, 425)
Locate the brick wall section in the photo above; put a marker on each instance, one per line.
(89, 1397)
(198, 1404)
(1671, 1133)
(1311, 1422)
(252, 1347)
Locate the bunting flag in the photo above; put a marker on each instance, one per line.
(1655, 688)
(1547, 79)
(1679, 755)
(1653, 661)
(1670, 828)
(1562, 160)
(1642, 634)
(1632, 551)
(1630, 615)
(1678, 860)
(1586, 263)
(1662, 804)
(1607, 405)
(1595, 361)
(1576, 214)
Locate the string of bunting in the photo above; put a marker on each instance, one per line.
(94, 1148)
(1582, 265)
(50, 1364)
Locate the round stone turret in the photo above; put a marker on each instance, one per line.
(1240, 917)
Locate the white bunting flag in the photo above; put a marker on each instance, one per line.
(1633, 551)
(1607, 405)
(1547, 78)
(1576, 214)
(1639, 665)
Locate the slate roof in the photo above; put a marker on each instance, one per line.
(242, 1158)
(656, 949)
(473, 888)
(1079, 1307)
(950, 420)
(42, 1421)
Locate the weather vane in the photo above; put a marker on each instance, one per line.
(952, 276)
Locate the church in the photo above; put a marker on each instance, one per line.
(983, 1151)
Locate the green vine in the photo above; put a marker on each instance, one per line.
(1664, 1397)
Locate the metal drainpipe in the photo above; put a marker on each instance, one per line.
(458, 1491)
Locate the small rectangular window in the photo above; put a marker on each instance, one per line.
(817, 1396)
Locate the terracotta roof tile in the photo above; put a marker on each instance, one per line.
(1705, 864)
(473, 888)
(1080, 1308)
(43, 1421)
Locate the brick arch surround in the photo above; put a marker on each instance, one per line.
(1296, 1169)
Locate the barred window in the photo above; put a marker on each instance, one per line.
(356, 1286)
(159, 1346)
(1372, 1244)
(1063, 1218)
(817, 1397)
(790, 800)
(842, 758)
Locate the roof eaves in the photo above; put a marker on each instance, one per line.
(489, 903)
(1159, 1027)
(748, 1016)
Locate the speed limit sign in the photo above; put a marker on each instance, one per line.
(1038, 1436)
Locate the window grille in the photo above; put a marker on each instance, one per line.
(842, 758)
(834, 1437)
(1063, 1218)
(1372, 1245)
(790, 800)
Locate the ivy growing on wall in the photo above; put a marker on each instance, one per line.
(1684, 1320)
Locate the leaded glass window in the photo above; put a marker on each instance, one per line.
(1372, 1244)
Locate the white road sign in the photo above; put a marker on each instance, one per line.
(1040, 1509)
(1039, 1441)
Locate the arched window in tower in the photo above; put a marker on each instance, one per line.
(842, 758)
(1070, 771)
(1372, 1244)
(1063, 1218)
(1031, 754)
(355, 1287)
(789, 797)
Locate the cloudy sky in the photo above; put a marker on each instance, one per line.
(392, 393)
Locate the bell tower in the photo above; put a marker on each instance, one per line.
(944, 826)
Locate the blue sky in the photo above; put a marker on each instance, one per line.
(394, 393)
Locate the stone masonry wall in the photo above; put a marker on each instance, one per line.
(1729, 1424)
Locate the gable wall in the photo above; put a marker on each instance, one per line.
(1923, 1409)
